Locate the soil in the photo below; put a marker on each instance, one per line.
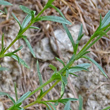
(51, 41)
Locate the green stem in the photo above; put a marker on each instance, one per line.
(39, 99)
(49, 89)
(29, 105)
(49, 81)
(10, 45)
(45, 7)
(87, 43)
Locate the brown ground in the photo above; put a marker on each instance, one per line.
(86, 12)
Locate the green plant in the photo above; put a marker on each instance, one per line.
(57, 76)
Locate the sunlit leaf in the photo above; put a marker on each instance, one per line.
(33, 27)
(76, 69)
(62, 88)
(54, 19)
(26, 20)
(49, 2)
(2, 2)
(84, 65)
(25, 9)
(52, 67)
(56, 75)
(107, 108)
(106, 20)
(60, 61)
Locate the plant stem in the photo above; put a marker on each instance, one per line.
(49, 89)
(17, 37)
(39, 99)
(45, 7)
(24, 30)
(10, 45)
(29, 105)
(40, 87)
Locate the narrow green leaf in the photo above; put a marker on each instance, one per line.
(52, 106)
(3, 68)
(67, 73)
(48, 106)
(29, 45)
(70, 36)
(52, 67)
(2, 2)
(49, 2)
(80, 35)
(26, 20)
(25, 9)
(93, 61)
(18, 49)
(80, 32)
(3, 93)
(57, 10)
(16, 94)
(83, 53)
(73, 74)
(2, 41)
(100, 23)
(39, 74)
(16, 20)
(107, 108)
(11, 53)
(80, 103)
(33, 27)
(2, 12)
(19, 60)
(62, 88)
(76, 69)
(67, 106)
(64, 101)
(60, 61)
(56, 75)
(84, 65)
(23, 97)
(64, 80)
(106, 20)
(54, 19)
